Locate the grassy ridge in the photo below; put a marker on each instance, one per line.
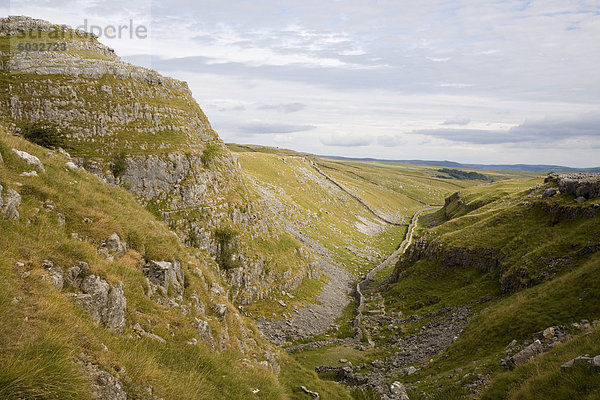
(558, 285)
(43, 333)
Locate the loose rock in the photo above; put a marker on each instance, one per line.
(549, 193)
(9, 202)
(314, 395)
(55, 274)
(399, 391)
(30, 159)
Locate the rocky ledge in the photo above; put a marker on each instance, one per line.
(580, 184)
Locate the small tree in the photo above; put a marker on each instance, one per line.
(209, 153)
(119, 165)
(227, 247)
(44, 134)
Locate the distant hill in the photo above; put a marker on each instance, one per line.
(503, 167)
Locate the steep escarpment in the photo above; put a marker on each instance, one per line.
(498, 277)
(518, 233)
(100, 300)
(135, 128)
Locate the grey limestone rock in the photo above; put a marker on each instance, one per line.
(399, 391)
(104, 385)
(30, 159)
(205, 332)
(106, 304)
(55, 274)
(314, 395)
(9, 203)
(549, 193)
(527, 353)
(579, 184)
(220, 310)
(166, 275)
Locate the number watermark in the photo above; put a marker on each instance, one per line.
(41, 46)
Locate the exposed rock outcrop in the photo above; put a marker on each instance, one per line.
(170, 172)
(167, 277)
(205, 332)
(580, 184)
(10, 200)
(113, 247)
(586, 360)
(55, 274)
(542, 341)
(31, 160)
(105, 303)
(104, 385)
(486, 260)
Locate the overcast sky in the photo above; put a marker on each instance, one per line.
(468, 81)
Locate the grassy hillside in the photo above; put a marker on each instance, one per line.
(355, 211)
(145, 132)
(536, 262)
(334, 218)
(46, 338)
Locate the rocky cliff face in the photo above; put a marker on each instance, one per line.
(134, 127)
(521, 238)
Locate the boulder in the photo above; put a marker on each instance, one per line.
(106, 304)
(548, 333)
(399, 391)
(205, 332)
(586, 360)
(528, 353)
(220, 310)
(549, 193)
(113, 246)
(54, 273)
(104, 385)
(30, 159)
(166, 275)
(114, 313)
(9, 203)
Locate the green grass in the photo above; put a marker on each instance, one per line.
(356, 239)
(43, 333)
(507, 221)
(543, 378)
(330, 355)
(306, 293)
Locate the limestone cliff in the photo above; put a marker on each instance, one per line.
(135, 128)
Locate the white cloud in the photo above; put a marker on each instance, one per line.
(457, 120)
(301, 71)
